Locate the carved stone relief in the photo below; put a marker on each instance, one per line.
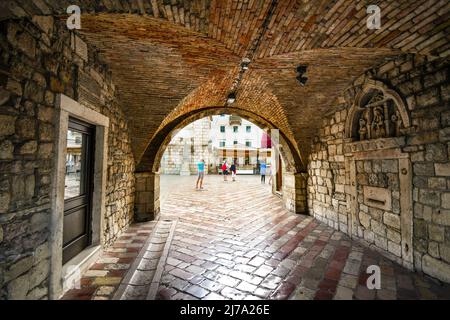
(377, 112)
(378, 118)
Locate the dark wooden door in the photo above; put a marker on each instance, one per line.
(78, 188)
(279, 175)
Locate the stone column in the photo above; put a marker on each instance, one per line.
(301, 199)
(185, 165)
(294, 192)
(147, 197)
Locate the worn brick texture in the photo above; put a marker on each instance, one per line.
(180, 45)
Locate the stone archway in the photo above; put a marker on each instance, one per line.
(147, 205)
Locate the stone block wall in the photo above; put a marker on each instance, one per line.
(39, 59)
(294, 192)
(147, 206)
(172, 159)
(424, 86)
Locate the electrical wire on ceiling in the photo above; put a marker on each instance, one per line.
(244, 66)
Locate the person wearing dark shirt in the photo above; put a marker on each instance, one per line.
(233, 171)
(262, 171)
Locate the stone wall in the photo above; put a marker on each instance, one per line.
(38, 60)
(424, 87)
(196, 136)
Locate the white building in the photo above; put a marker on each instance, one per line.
(215, 139)
(228, 131)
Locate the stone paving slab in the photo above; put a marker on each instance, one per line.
(103, 278)
(142, 279)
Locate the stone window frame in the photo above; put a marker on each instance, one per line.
(368, 86)
(62, 276)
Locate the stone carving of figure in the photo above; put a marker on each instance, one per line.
(378, 126)
(395, 119)
(362, 129)
(367, 117)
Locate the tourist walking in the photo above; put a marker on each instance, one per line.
(233, 171)
(201, 174)
(262, 171)
(225, 170)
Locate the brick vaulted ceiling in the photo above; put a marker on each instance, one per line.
(172, 56)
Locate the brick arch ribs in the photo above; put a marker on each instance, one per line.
(147, 206)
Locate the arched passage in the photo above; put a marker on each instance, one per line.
(147, 173)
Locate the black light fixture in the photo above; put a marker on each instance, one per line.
(231, 98)
(302, 80)
(244, 64)
(301, 70)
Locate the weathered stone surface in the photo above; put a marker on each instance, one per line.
(446, 200)
(45, 23)
(7, 125)
(28, 148)
(18, 288)
(436, 233)
(430, 197)
(26, 128)
(436, 268)
(395, 248)
(442, 169)
(5, 199)
(392, 220)
(23, 40)
(18, 268)
(445, 252)
(442, 217)
(364, 219)
(39, 273)
(6, 150)
(424, 169)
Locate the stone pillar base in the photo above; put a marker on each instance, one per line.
(294, 192)
(185, 169)
(147, 197)
(301, 198)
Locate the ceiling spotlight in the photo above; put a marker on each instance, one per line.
(302, 80)
(244, 64)
(301, 70)
(231, 98)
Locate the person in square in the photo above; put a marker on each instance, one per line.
(201, 174)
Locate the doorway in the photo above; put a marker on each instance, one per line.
(279, 175)
(78, 191)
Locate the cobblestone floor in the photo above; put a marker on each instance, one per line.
(234, 240)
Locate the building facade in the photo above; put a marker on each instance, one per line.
(216, 139)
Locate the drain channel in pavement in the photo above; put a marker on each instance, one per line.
(142, 280)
